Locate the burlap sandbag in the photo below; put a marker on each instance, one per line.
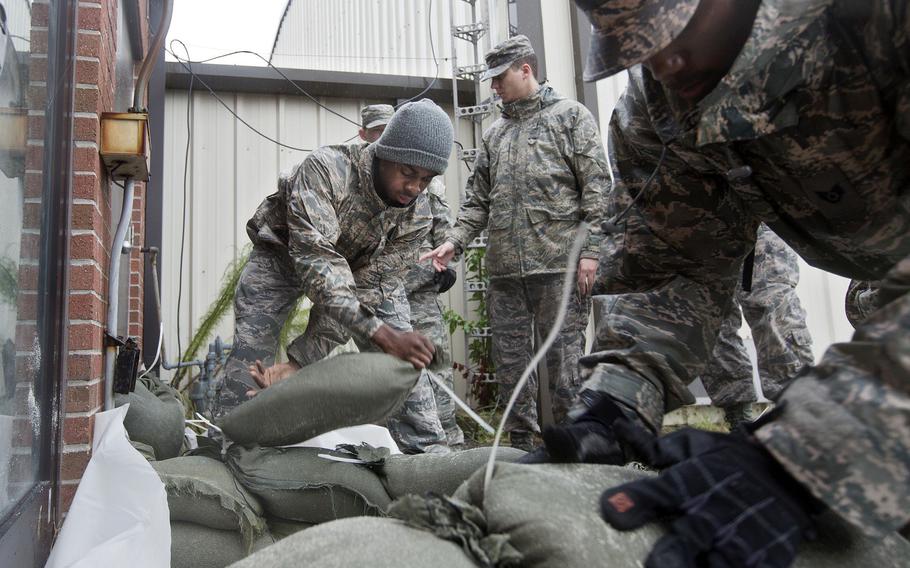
(196, 546)
(347, 390)
(551, 515)
(282, 528)
(359, 542)
(297, 485)
(155, 417)
(201, 490)
(439, 473)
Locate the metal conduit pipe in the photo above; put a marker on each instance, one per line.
(113, 293)
(126, 213)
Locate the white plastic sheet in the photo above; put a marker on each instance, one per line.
(119, 516)
(374, 435)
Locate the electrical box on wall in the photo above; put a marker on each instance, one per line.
(125, 144)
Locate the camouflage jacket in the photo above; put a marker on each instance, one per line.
(541, 170)
(422, 277)
(810, 133)
(349, 248)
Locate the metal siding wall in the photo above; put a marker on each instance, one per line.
(370, 36)
(231, 170)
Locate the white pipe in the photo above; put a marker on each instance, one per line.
(145, 72)
(113, 292)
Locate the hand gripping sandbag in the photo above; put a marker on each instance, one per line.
(347, 390)
(551, 514)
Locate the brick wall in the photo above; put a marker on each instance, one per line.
(93, 228)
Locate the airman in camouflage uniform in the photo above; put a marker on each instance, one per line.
(539, 173)
(423, 286)
(344, 231)
(807, 129)
(778, 323)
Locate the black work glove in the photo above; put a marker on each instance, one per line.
(733, 504)
(603, 434)
(445, 279)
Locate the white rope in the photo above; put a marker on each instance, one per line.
(580, 236)
(224, 440)
(461, 404)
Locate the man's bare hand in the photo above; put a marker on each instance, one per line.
(441, 255)
(406, 345)
(266, 377)
(587, 271)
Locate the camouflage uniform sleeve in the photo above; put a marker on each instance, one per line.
(422, 277)
(325, 275)
(591, 171)
(473, 214)
(400, 255)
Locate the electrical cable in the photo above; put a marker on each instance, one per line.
(432, 50)
(186, 168)
(157, 352)
(581, 235)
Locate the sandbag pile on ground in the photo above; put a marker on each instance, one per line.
(440, 473)
(362, 541)
(155, 417)
(295, 484)
(214, 520)
(550, 514)
(347, 390)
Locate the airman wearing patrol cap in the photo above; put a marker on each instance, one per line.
(373, 119)
(539, 173)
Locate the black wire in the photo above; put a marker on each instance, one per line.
(186, 168)
(224, 104)
(432, 50)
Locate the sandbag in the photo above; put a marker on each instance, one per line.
(440, 473)
(201, 490)
(196, 546)
(297, 485)
(551, 515)
(155, 417)
(362, 541)
(347, 390)
(282, 528)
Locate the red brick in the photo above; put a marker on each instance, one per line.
(73, 463)
(87, 247)
(86, 186)
(34, 157)
(83, 367)
(31, 215)
(84, 398)
(86, 277)
(86, 307)
(28, 306)
(34, 182)
(29, 246)
(67, 494)
(37, 96)
(90, 18)
(36, 127)
(25, 334)
(86, 217)
(37, 69)
(84, 336)
(85, 128)
(39, 14)
(78, 429)
(38, 41)
(28, 277)
(87, 45)
(87, 100)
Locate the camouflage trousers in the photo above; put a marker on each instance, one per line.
(426, 318)
(267, 291)
(778, 323)
(520, 310)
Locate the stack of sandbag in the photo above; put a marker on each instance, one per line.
(362, 541)
(298, 488)
(438, 473)
(347, 390)
(155, 419)
(551, 516)
(214, 520)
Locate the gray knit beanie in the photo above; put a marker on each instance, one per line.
(420, 134)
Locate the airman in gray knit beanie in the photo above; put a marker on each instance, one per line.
(420, 134)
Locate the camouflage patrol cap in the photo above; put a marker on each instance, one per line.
(627, 32)
(504, 54)
(376, 115)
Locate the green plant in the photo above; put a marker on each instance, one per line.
(9, 281)
(480, 349)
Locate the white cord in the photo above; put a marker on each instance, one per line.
(580, 236)
(157, 353)
(462, 404)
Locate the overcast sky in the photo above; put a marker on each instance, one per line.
(214, 27)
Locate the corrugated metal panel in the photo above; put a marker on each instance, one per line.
(231, 169)
(19, 23)
(371, 36)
